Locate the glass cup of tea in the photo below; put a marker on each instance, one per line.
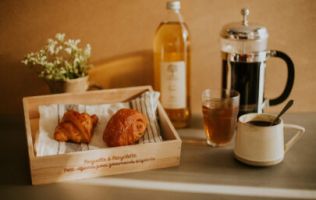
(220, 110)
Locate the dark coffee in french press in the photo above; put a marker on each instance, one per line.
(244, 55)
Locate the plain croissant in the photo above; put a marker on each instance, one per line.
(76, 127)
(125, 127)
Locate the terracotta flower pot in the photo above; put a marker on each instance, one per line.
(69, 86)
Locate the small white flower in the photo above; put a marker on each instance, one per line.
(25, 62)
(60, 37)
(72, 43)
(87, 50)
(58, 49)
(51, 49)
(68, 50)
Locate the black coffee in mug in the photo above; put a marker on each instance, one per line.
(260, 123)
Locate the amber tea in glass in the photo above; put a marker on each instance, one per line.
(220, 109)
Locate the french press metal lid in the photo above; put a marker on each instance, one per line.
(244, 37)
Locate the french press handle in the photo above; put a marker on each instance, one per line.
(290, 77)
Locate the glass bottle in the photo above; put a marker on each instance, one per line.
(172, 65)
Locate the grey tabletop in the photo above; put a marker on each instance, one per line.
(204, 172)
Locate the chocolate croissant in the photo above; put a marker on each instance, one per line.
(76, 127)
(125, 127)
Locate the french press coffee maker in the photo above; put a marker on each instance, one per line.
(244, 55)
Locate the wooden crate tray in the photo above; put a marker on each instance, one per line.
(107, 161)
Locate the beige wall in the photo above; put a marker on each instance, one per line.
(121, 32)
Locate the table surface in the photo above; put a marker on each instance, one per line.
(204, 172)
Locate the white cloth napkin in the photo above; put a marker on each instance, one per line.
(50, 115)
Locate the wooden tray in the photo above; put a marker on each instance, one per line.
(108, 161)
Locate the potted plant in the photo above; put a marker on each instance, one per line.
(62, 64)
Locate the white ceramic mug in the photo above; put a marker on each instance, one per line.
(263, 145)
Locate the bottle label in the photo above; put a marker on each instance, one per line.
(173, 84)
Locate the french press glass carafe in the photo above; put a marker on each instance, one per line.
(244, 55)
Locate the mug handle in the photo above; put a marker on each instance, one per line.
(296, 137)
(290, 77)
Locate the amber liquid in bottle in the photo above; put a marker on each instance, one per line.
(172, 70)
